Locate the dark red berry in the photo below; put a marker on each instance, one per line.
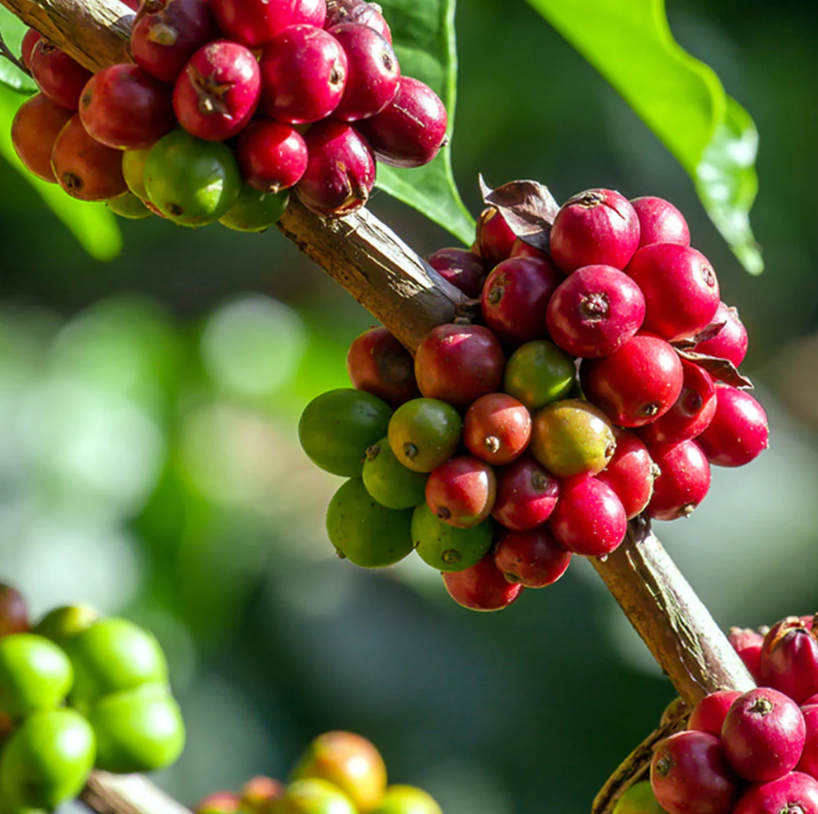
(809, 758)
(461, 491)
(532, 558)
(482, 587)
(739, 431)
(526, 495)
(253, 23)
(30, 39)
(637, 384)
(497, 429)
(683, 482)
(795, 793)
(272, 156)
(747, 644)
(58, 76)
(380, 365)
(166, 34)
(595, 227)
(340, 173)
(689, 775)
(34, 130)
(516, 296)
(357, 11)
(630, 473)
(788, 660)
(595, 312)
(310, 12)
(709, 714)
(410, 131)
(494, 236)
(522, 249)
(462, 268)
(731, 341)
(459, 363)
(13, 612)
(660, 222)
(589, 519)
(304, 73)
(763, 735)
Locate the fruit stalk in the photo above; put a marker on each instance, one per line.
(127, 794)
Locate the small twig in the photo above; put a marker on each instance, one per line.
(6, 52)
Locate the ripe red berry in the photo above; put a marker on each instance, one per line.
(516, 296)
(683, 482)
(30, 39)
(709, 714)
(340, 173)
(411, 130)
(497, 429)
(763, 735)
(630, 473)
(461, 491)
(494, 236)
(595, 227)
(522, 249)
(660, 222)
(253, 23)
(462, 268)
(272, 156)
(57, 75)
(526, 495)
(809, 758)
(731, 341)
(739, 431)
(310, 12)
(532, 558)
(34, 130)
(13, 612)
(304, 72)
(638, 383)
(459, 363)
(357, 11)
(788, 660)
(380, 365)
(747, 644)
(166, 34)
(795, 793)
(589, 519)
(482, 587)
(595, 311)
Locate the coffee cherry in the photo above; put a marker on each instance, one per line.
(128, 206)
(522, 249)
(34, 130)
(526, 495)
(125, 108)
(539, 373)
(65, 623)
(423, 433)
(13, 612)
(379, 364)
(571, 438)
(709, 714)
(219, 802)
(660, 222)
(340, 173)
(445, 547)
(310, 12)
(689, 775)
(58, 76)
(788, 660)
(763, 735)
(739, 431)
(747, 644)
(411, 130)
(314, 796)
(406, 800)
(166, 34)
(304, 72)
(389, 482)
(692, 412)
(589, 519)
(357, 11)
(683, 482)
(809, 757)
(260, 793)
(482, 587)
(272, 156)
(595, 312)
(595, 227)
(253, 23)
(497, 429)
(133, 171)
(351, 763)
(83, 167)
(731, 341)
(254, 211)
(630, 473)
(516, 296)
(30, 39)
(638, 799)
(459, 363)
(494, 236)
(637, 384)
(217, 93)
(532, 558)
(795, 793)
(463, 269)
(364, 532)
(461, 491)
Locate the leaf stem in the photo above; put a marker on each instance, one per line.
(6, 52)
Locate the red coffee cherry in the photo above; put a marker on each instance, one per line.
(680, 287)
(34, 130)
(747, 644)
(13, 612)
(788, 659)
(526, 495)
(357, 11)
(731, 341)
(494, 236)
(689, 775)
(739, 431)
(482, 587)
(637, 384)
(595, 227)
(763, 735)
(595, 311)
(497, 429)
(589, 519)
(310, 12)
(630, 473)
(683, 482)
(166, 34)
(410, 131)
(461, 491)
(522, 249)
(304, 74)
(809, 758)
(272, 156)
(660, 222)
(533, 558)
(795, 793)
(462, 268)
(459, 363)
(30, 39)
(709, 714)
(253, 23)
(380, 365)
(516, 296)
(340, 173)
(58, 76)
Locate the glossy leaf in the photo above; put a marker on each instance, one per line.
(13, 31)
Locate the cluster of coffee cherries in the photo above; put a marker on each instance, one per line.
(582, 402)
(230, 104)
(339, 773)
(78, 692)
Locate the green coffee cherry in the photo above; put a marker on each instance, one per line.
(64, 623)
(254, 211)
(133, 171)
(445, 547)
(314, 797)
(638, 799)
(407, 800)
(423, 433)
(389, 481)
(130, 207)
(538, 373)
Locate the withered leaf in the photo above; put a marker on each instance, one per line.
(721, 369)
(704, 335)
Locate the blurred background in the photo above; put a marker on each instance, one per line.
(149, 462)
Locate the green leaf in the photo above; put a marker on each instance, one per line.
(93, 225)
(13, 30)
(423, 34)
(680, 98)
